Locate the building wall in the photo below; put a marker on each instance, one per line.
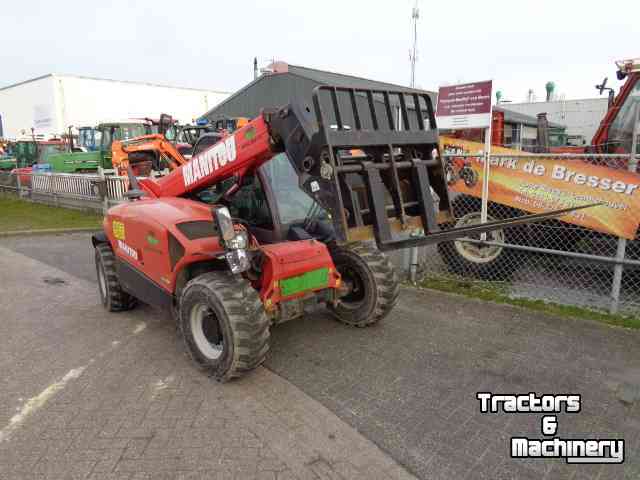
(581, 117)
(88, 101)
(27, 105)
(54, 103)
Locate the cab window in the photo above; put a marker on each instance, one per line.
(294, 205)
(249, 203)
(621, 129)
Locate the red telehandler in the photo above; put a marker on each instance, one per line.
(280, 214)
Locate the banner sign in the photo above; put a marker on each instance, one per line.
(464, 106)
(542, 184)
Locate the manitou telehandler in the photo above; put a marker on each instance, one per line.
(278, 215)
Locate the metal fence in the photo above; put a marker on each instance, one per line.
(87, 192)
(555, 260)
(579, 261)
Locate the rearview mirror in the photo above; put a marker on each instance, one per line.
(222, 219)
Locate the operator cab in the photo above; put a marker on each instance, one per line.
(271, 204)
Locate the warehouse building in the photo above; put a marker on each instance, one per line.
(580, 117)
(521, 130)
(51, 103)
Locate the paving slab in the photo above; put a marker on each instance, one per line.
(88, 394)
(409, 383)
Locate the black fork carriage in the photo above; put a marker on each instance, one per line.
(371, 159)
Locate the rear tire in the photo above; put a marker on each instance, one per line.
(373, 282)
(113, 296)
(224, 325)
(482, 261)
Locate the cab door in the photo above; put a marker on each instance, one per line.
(616, 130)
(253, 203)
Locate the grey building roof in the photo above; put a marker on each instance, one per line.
(295, 83)
(343, 80)
(291, 83)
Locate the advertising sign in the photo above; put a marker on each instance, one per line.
(542, 184)
(42, 117)
(464, 106)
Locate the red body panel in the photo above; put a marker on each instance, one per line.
(147, 224)
(290, 259)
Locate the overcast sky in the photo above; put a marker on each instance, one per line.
(211, 44)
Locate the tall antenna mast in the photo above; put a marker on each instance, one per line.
(415, 15)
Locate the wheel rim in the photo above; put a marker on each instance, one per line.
(206, 331)
(475, 252)
(102, 282)
(355, 285)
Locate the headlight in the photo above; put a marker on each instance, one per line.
(240, 241)
(238, 260)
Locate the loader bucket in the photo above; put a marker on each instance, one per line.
(371, 159)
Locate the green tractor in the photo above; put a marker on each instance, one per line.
(29, 152)
(93, 148)
(7, 160)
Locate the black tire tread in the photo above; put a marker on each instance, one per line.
(387, 285)
(246, 315)
(118, 300)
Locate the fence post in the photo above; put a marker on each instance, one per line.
(18, 185)
(485, 180)
(105, 196)
(622, 242)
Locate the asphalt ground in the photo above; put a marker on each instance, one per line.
(409, 384)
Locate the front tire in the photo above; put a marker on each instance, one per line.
(113, 296)
(223, 324)
(372, 283)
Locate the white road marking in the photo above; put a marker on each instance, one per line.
(139, 328)
(38, 402)
(161, 385)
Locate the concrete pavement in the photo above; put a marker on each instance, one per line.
(88, 394)
(409, 384)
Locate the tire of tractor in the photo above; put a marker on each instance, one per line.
(372, 280)
(224, 325)
(484, 262)
(113, 296)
